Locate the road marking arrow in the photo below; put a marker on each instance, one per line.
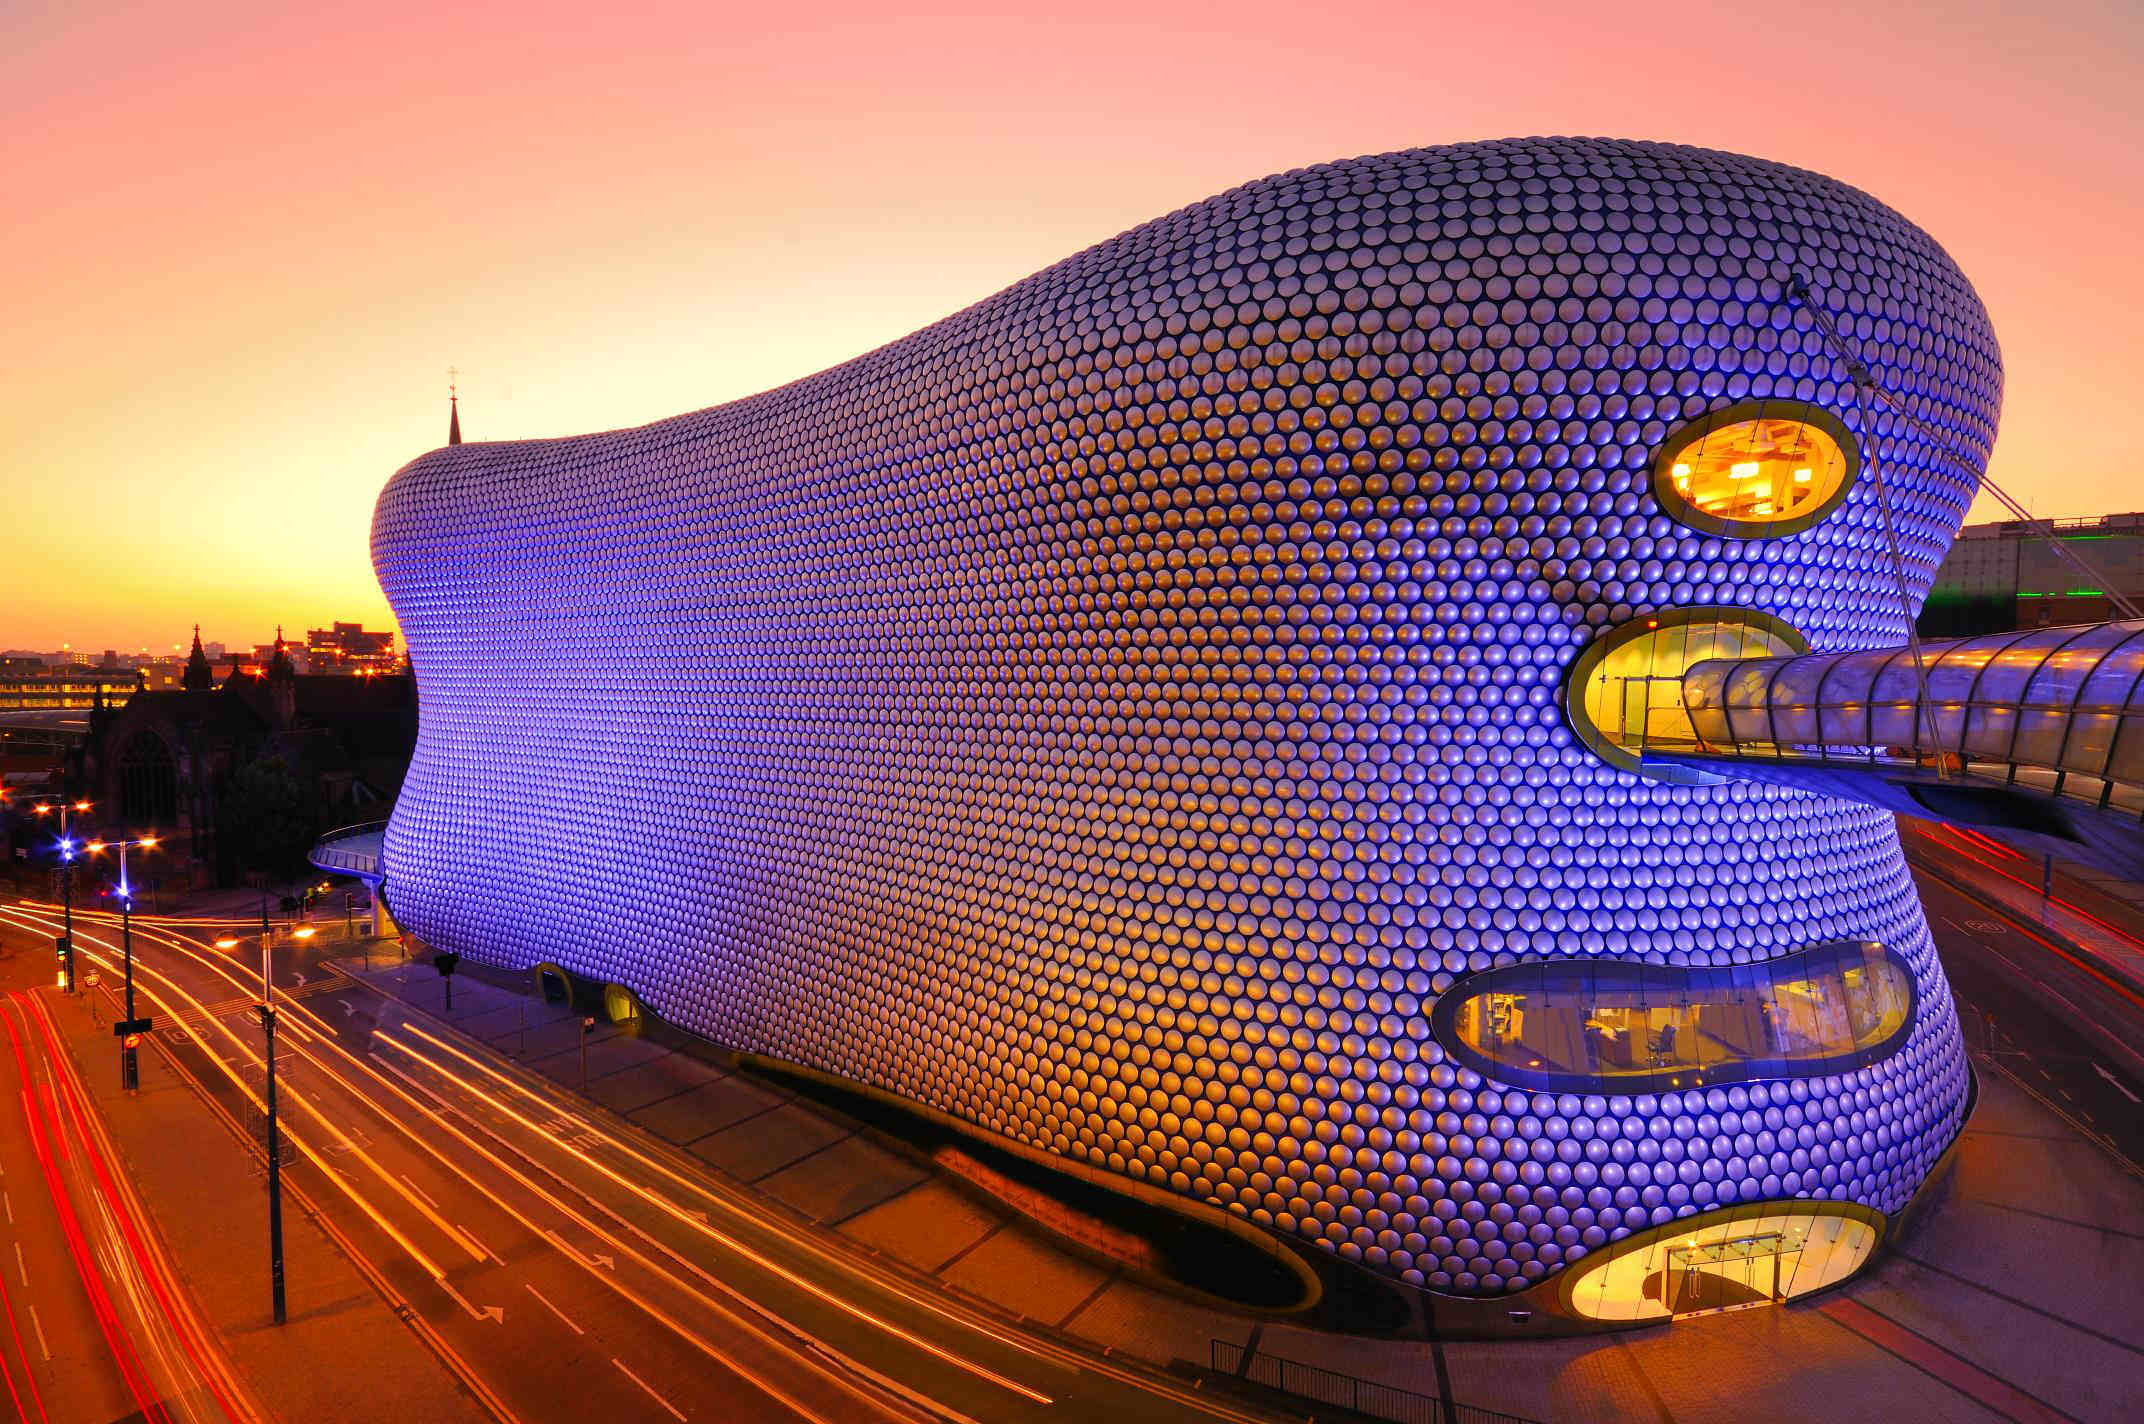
(606, 1262)
(2119, 1086)
(493, 1313)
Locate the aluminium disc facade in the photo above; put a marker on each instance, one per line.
(1115, 714)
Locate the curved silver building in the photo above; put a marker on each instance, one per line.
(1184, 714)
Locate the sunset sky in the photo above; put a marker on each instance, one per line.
(243, 242)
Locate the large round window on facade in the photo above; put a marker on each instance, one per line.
(1616, 1026)
(1759, 469)
(1624, 693)
(1760, 1254)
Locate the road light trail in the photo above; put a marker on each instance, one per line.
(118, 1199)
(312, 1154)
(29, 1375)
(847, 1265)
(130, 1368)
(317, 1030)
(309, 1027)
(575, 1170)
(610, 1280)
(308, 1035)
(706, 1229)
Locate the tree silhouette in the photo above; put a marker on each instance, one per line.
(268, 820)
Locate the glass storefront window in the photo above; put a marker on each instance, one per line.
(1759, 1254)
(1625, 691)
(1758, 469)
(1580, 1025)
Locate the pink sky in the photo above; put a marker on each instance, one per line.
(244, 241)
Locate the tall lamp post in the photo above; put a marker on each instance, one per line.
(275, 1139)
(130, 1029)
(66, 849)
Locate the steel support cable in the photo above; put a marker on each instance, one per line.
(1862, 377)
(1898, 577)
(2041, 529)
(1864, 381)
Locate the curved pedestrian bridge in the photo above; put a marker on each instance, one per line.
(2040, 732)
(352, 850)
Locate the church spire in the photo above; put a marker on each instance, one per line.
(282, 685)
(199, 676)
(454, 409)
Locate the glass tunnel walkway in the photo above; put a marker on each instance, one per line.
(2039, 732)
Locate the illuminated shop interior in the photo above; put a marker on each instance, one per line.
(1626, 690)
(1587, 1025)
(1757, 1255)
(1756, 475)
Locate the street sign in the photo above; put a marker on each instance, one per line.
(129, 1026)
(446, 963)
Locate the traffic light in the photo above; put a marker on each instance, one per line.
(444, 963)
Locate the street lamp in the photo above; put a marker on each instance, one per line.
(275, 1139)
(66, 849)
(130, 1029)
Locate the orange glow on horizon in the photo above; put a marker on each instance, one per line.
(243, 256)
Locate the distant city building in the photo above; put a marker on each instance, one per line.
(164, 760)
(2007, 575)
(47, 688)
(348, 647)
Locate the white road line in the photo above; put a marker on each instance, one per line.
(495, 1256)
(22, 1266)
(555, 1310)
(39, 1326)
(2096, 1068)
(636, 1379)
(419, 1191)
(9, 1203)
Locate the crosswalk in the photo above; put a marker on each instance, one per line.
(247, 1003)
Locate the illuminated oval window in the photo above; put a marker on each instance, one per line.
(1759, 469)
(1757, 1254)
(1614, 1026)
(1624, 693)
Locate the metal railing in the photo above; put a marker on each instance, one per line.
(1317, 1385)
(350, 850)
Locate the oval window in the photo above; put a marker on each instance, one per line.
(1624, 694)
(1758, 1253)
(1759, 469)
(1584, 1025)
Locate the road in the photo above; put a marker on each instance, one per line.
(562, 1268)
(97, 1325)
(2049, 1016)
